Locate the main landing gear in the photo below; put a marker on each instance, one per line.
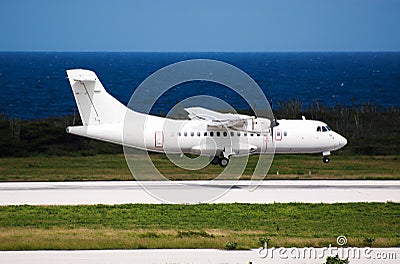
(222, 161)
(215, 160)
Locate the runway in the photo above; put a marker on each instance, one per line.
(189, 192)
(272, 255)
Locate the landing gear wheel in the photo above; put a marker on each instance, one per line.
(215, 160)
(223, 162)
(325, 159)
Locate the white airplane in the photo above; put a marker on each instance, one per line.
(217, 135)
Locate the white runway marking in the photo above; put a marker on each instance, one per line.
(316, 191)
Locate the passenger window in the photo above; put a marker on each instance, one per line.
(198, 134)
(245, 134)
(205, 134)
(238, 134)
(225, 133)
(251, 134)
(319, 129)
(285, 133)
(258, 135)
(278, 133)
(185, 134)
(192, 134)
(211, 134)
(232, 134)
(218, 134)
(179, 134)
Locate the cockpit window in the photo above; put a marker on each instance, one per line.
(323, 129)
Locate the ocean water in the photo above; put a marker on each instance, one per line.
(34, 84)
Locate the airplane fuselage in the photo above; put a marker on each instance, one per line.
(194, 136)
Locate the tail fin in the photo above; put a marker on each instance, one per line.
(95, 105)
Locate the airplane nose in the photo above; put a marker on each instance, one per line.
(342, 141)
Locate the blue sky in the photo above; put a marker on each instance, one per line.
(156, 25)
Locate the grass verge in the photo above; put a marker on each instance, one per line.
(113, 167)
(197, 226)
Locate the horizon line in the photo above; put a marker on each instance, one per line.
(199, 51)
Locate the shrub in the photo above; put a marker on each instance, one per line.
(336, 260)
(230, 245)
(369, 241)
(263, 241)
(194, 234)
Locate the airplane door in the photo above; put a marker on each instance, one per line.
(264, 146)
(158, 139)
(278, 135)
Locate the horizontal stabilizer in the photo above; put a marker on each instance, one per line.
(85, 78)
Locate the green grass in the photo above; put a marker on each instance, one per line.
(113, 167)
(196, 226)
(64, 168)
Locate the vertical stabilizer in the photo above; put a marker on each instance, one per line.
(95, 105)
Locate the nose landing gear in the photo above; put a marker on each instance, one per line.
(325, 157)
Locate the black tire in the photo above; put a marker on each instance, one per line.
(215, 160)
(223, 162)
(325, 159)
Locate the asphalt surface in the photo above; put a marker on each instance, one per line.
(189, 192)
(278, 255)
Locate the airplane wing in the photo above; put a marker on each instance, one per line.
(218, 120)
